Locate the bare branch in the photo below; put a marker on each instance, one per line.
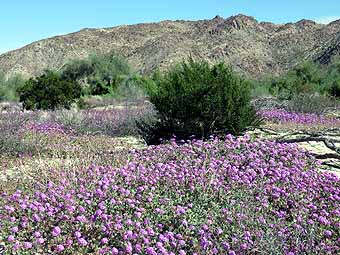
(330, 142)
(326, 156)
(330, 165)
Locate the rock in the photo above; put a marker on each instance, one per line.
(268, 103)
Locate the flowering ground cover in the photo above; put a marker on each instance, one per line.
(117, 121)
(32, 144)
(75, 188)
(232, 196)
(305, 129)
(282, 118)
(39, 132)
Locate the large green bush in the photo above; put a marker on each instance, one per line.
(195, 100)
(49, 91)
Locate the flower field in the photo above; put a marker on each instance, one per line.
(223, 196)
(284, 117)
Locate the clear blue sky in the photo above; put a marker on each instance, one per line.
(25, 21)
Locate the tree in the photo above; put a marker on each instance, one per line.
(49, 91)
(102, 73)
(195, 100)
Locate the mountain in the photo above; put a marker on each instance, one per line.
(253, 48)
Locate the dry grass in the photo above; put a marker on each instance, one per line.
(64, 153)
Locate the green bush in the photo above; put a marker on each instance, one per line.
(100, 74)
(334, 89)
(133, 89)
(306, 103)
(305, 78)
(195, 100)
(332, 78)
(9, 87)
(260, 88)
(49, 91)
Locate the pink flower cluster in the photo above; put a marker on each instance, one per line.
(282, 116)
(114, 121)
(47, 128)
(232, 196)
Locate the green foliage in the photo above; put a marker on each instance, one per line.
(2, 77)
(306, 103)
(332, 78)
(133, 88)
(101, 74)
(9, 87)
(302, 79)
(131, 91)
(334, 89)
(259, 88)
(49, 91)
(306, 78)
(196, 100)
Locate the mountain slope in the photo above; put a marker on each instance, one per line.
(253, 48)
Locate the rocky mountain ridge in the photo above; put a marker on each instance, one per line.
(254, 48)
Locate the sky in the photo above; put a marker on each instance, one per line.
(26, 21)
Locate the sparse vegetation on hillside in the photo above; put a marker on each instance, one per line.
(238, 40)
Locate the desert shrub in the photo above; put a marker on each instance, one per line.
(198, 100)
(334, 89)
(132, 89)
(305, 78)
(72, 119)
(89, 102)
(260, 88)
(305, 103)
(130, 92)
(332, 78)
(110, 121)
(99, 73)
(12, 139)
(268, 103)
(9, 87)
(2, 86)
(49, 91)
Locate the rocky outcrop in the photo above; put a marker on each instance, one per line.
(253, 48)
